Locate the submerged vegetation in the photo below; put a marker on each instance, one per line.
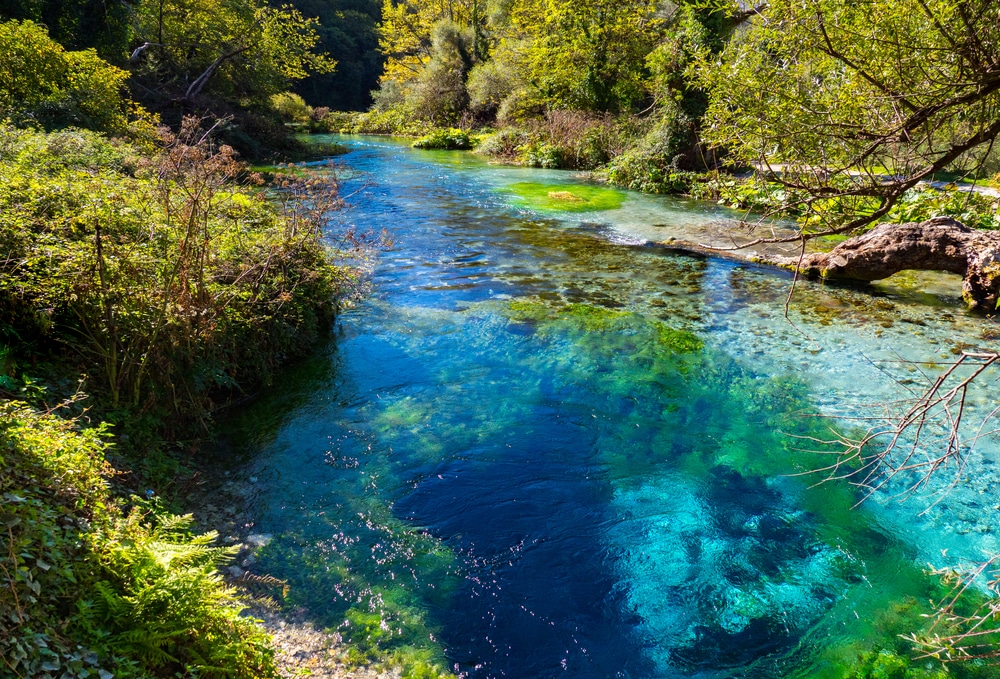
(566, 197)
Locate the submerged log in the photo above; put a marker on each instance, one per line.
(939, 244)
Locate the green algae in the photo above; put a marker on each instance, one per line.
(548, 317)
(381, 613)
(566, 197)
(756, 426)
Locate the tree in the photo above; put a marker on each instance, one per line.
(348, 33)
(584, 55)
(79, 24)
(405, 33)
(240, 50)
(43, 83)
(851, 104)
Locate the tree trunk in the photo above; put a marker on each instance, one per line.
(939, 244)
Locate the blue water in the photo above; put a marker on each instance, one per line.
(544, 446)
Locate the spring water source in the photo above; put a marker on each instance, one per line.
(545, 447)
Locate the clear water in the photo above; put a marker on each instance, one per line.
(545, 446)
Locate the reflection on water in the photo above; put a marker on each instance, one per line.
(549, 446)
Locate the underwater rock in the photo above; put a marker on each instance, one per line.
(258, 539)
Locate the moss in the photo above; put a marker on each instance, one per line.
(678, 341)
(566, 197)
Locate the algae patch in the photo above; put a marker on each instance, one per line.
(566, 197)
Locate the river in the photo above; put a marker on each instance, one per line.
(545, 446)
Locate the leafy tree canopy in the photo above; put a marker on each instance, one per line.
(41, 82)
(79, 24)
(241, 50)
(348, 33)
(856, 102)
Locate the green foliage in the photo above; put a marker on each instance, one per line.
(92, 591)
(162, 601)
(291, 107)
(397, 120)
(242, 51)
(506, 144)
(78, 24)
(452, 138)
(584, 55)
(650, 173)
(567, 197)
(42, 82)
(822, 84)
(168, 282)
(348, 33)
(975, 210)
(563, 139)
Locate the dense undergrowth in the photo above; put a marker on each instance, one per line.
(99, 587)
(140, 288)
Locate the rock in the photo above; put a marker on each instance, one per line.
(939, 244)
(258, 539)
(236, 571)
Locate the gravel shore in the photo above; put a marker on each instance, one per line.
(223, 503)
(304, 650)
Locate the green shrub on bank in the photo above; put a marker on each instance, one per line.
(291, 107)
(88, 589)
(164, 281)
(975, 210)
(446, 139)
(398, 120)
(572, 140)
(650, 173)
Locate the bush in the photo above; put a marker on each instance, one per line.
(452, 138)
(398, 121)
(171, 284)
(506, 144)
(43, 83)
(291, 107)
(975, 210)
(90, 590)
(650, 173)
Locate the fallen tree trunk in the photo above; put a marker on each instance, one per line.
(939, 244)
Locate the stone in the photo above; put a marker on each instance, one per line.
(939, 244)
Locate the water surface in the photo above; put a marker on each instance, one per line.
(546, 446)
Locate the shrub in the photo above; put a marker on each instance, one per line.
(89, 590)
(505, 144)
(452, 138)
(291, 107)
(172, 284)
(399, 121)
(649, 173)
(975, 210)
(42, 82)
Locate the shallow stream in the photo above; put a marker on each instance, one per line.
(546, 446)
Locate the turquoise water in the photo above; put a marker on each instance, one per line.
(546, 445)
